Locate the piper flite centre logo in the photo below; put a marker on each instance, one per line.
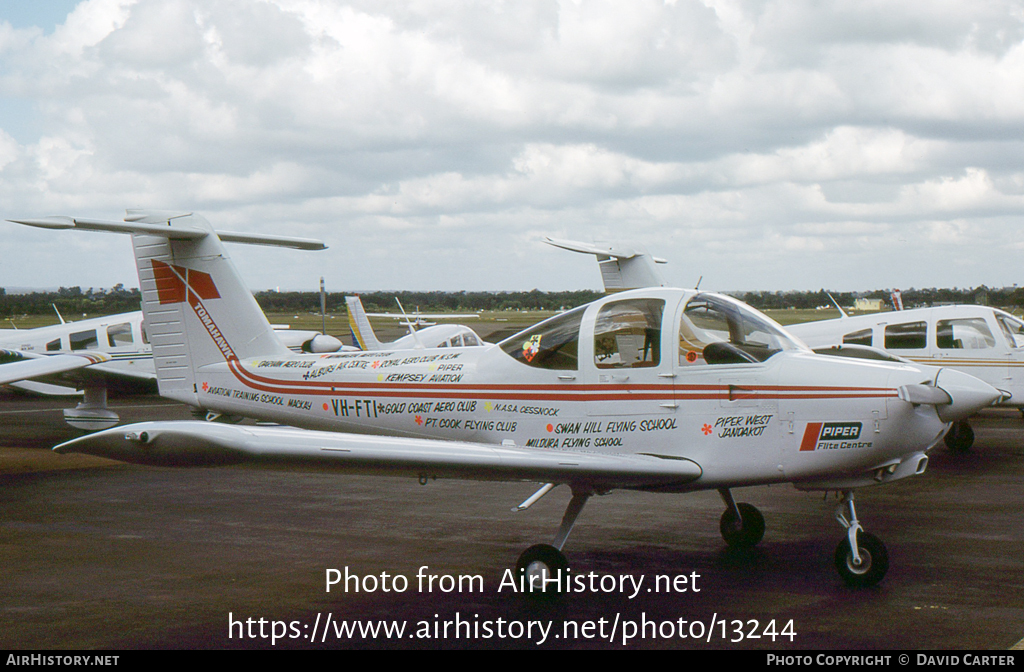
(832, 436)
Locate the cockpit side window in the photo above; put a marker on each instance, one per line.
(551, 344)
(964, 334)
(120, 335)
(627, 334)
(715, 330)
(1013, 329)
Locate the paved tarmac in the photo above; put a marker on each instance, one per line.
(99, 555)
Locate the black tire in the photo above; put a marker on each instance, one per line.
(874, 561)
(960, 437)
(742, 533)
(541, 561)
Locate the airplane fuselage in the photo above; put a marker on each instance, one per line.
(744, 422)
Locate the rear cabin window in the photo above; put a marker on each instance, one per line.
(628, 334)
(53, 346)
(84, 340)
(862, 337)
(120, 335)
(906, 336)
(551, 344)
(964, 334)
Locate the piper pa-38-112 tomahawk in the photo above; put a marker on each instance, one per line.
(657, 389)
(985, 342)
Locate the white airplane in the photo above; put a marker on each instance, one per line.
(985, 342)
(436, 336)
(659, 389)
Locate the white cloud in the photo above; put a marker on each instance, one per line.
(775, 145)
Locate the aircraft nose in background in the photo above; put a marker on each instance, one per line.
(968, 395)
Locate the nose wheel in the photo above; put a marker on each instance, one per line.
(861, 558)
(960, 437)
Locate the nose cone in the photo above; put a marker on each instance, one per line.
(967, 394)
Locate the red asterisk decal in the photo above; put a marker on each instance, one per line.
(326, 406)
(419, 419)
(206, 386)
(706, 429)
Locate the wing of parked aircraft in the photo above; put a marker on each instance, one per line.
(17, 366)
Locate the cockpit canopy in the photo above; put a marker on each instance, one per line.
(712, 329)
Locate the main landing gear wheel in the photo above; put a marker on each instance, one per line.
(960, 437)
(537, 565)
(745, 531)
(874, 561)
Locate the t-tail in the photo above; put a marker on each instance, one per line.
(198, 310)
(362, 332)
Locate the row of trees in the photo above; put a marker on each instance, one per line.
(76, 301)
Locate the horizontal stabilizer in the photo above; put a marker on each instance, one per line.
(623, 266)
(170, 229)
(187, 443)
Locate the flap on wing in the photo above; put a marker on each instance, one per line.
(16, 366)
(204, 444)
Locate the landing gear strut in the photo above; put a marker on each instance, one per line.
(861, 558)
(543, 565)
(960, 437)
(742, 525)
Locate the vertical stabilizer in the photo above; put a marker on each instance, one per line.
(198, 310)
(362, 332)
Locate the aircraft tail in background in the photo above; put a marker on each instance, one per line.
(359, 323)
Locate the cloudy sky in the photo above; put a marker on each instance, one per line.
(790, 144)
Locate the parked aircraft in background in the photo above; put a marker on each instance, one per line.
(418, 319)
(657, 389)
(437, 336)
(985, 342)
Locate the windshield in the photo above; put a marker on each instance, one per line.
(715, 329)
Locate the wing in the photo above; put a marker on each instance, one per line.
(17, 366)
(205, 444)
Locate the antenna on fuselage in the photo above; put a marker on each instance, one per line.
(699, 280)
(408, 323)
(58, 313)
(323, 307)
(842, 313)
